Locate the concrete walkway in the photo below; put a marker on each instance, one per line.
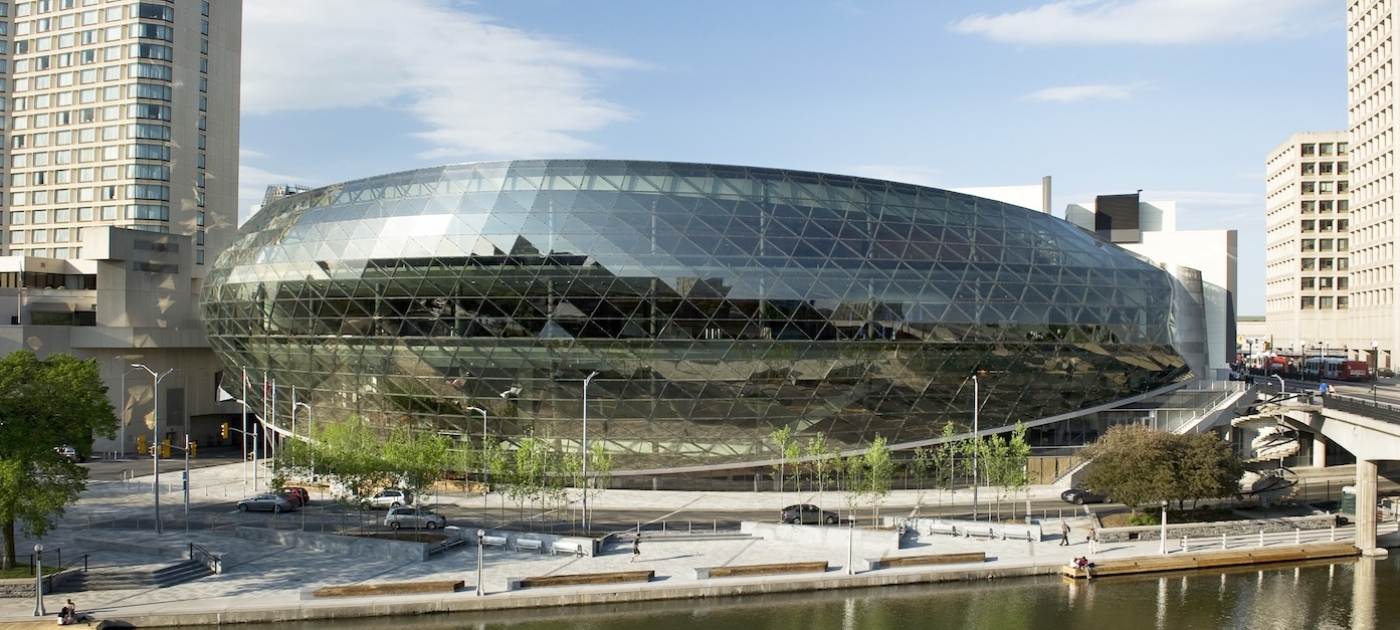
(269, 583)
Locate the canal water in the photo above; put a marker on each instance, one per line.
(1359, 595)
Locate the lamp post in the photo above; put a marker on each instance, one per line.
(485, 472)
(480, 541)
(1282, 386)
(1164, 527)
(976, 441)
(586, 381)
(39, 581)
(155, 444)
(1303, 352)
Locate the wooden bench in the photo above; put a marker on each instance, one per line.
(529, 543)
(914, 561)
(743, 570)
(580, 579)
(388, 588)
(943, 528)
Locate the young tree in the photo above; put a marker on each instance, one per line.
(782, 438)
(417, 459)
(45, 404)
(919, 467)
(879, 470)
(822, 463)
(945, 466)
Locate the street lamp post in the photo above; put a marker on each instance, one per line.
(485, 472)
(976, 441)
(1282, 386)
(1303, 352)
(155, 444)
(586, 381)
(1164, 527)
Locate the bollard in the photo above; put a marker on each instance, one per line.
(1261, 538)
(1334, 533)
(1297, 535)
(1184, 545)
(1222, 542)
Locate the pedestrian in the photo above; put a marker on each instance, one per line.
(1093, 540)
(1064, 533)
(636, 547)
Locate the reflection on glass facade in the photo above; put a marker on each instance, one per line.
(717, 303)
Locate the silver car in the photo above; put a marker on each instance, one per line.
(266, 502)
(415, 518)
(390, 498)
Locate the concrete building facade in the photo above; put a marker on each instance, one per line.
(1308, 244)
(120, 164)
(1371, 64)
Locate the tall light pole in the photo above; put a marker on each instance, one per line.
(586, 381)
(485, 472)
(976, 441)
(1303, 352)
(155, 444)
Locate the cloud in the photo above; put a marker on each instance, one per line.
(1152, 21)
(1076, 93)
(478, 89)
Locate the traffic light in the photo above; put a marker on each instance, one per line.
(141, 444)
(223, 431)
(165, 448)
(194, 448)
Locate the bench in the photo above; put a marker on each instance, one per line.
(1022, 532)
(493, 541)
(580, 579)
(529, 543)
(914, 561)
(979, 532)
(570, 548)
(702, 573)
(943, 528)
(389, 588)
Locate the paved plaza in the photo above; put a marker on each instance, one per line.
(279, 580)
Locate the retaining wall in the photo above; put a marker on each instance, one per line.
(1243, 527)
(867, 542)
(352, 546)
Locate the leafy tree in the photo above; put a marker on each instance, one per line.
(45, 404)
(945, 461)
(418, 460)
(919, 467)
(1141, 466)
(879, 470)
(823, 463)
(362, 458)
(782, 438)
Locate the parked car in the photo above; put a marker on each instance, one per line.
(266, 502)
(413, 517)
(390, 498)
(71, 453)
(1080, 496)
(807, 514)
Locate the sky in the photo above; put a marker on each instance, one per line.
(1182, 99)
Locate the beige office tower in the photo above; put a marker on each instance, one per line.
(1373, 326)
(1308, 244)
(120, 164)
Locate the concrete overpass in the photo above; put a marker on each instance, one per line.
(1368, 429)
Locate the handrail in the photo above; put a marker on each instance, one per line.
(213, 561)
(65, 567)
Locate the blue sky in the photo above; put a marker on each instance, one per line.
(1179, 98)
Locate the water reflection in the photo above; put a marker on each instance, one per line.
(1323, 596)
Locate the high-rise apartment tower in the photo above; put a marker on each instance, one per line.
(1373, 325)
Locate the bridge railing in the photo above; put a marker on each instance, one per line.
(1362, 407)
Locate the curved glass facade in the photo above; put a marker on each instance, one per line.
(717, 304)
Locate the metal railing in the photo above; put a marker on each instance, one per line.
(1362, 407)
(213, 561)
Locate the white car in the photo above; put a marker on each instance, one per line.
(415, 518)
(390, 498)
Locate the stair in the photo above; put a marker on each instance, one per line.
(115, 579)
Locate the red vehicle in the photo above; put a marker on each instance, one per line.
(296, 495)
(1336, 369)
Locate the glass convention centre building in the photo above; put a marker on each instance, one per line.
(716, 304)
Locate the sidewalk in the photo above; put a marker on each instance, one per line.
(268, 583)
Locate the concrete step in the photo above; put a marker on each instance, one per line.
(123, 579)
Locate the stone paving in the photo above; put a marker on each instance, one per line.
(258, 575)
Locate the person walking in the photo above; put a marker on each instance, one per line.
(636, 547)
(1093, 540)
(1064, 533)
